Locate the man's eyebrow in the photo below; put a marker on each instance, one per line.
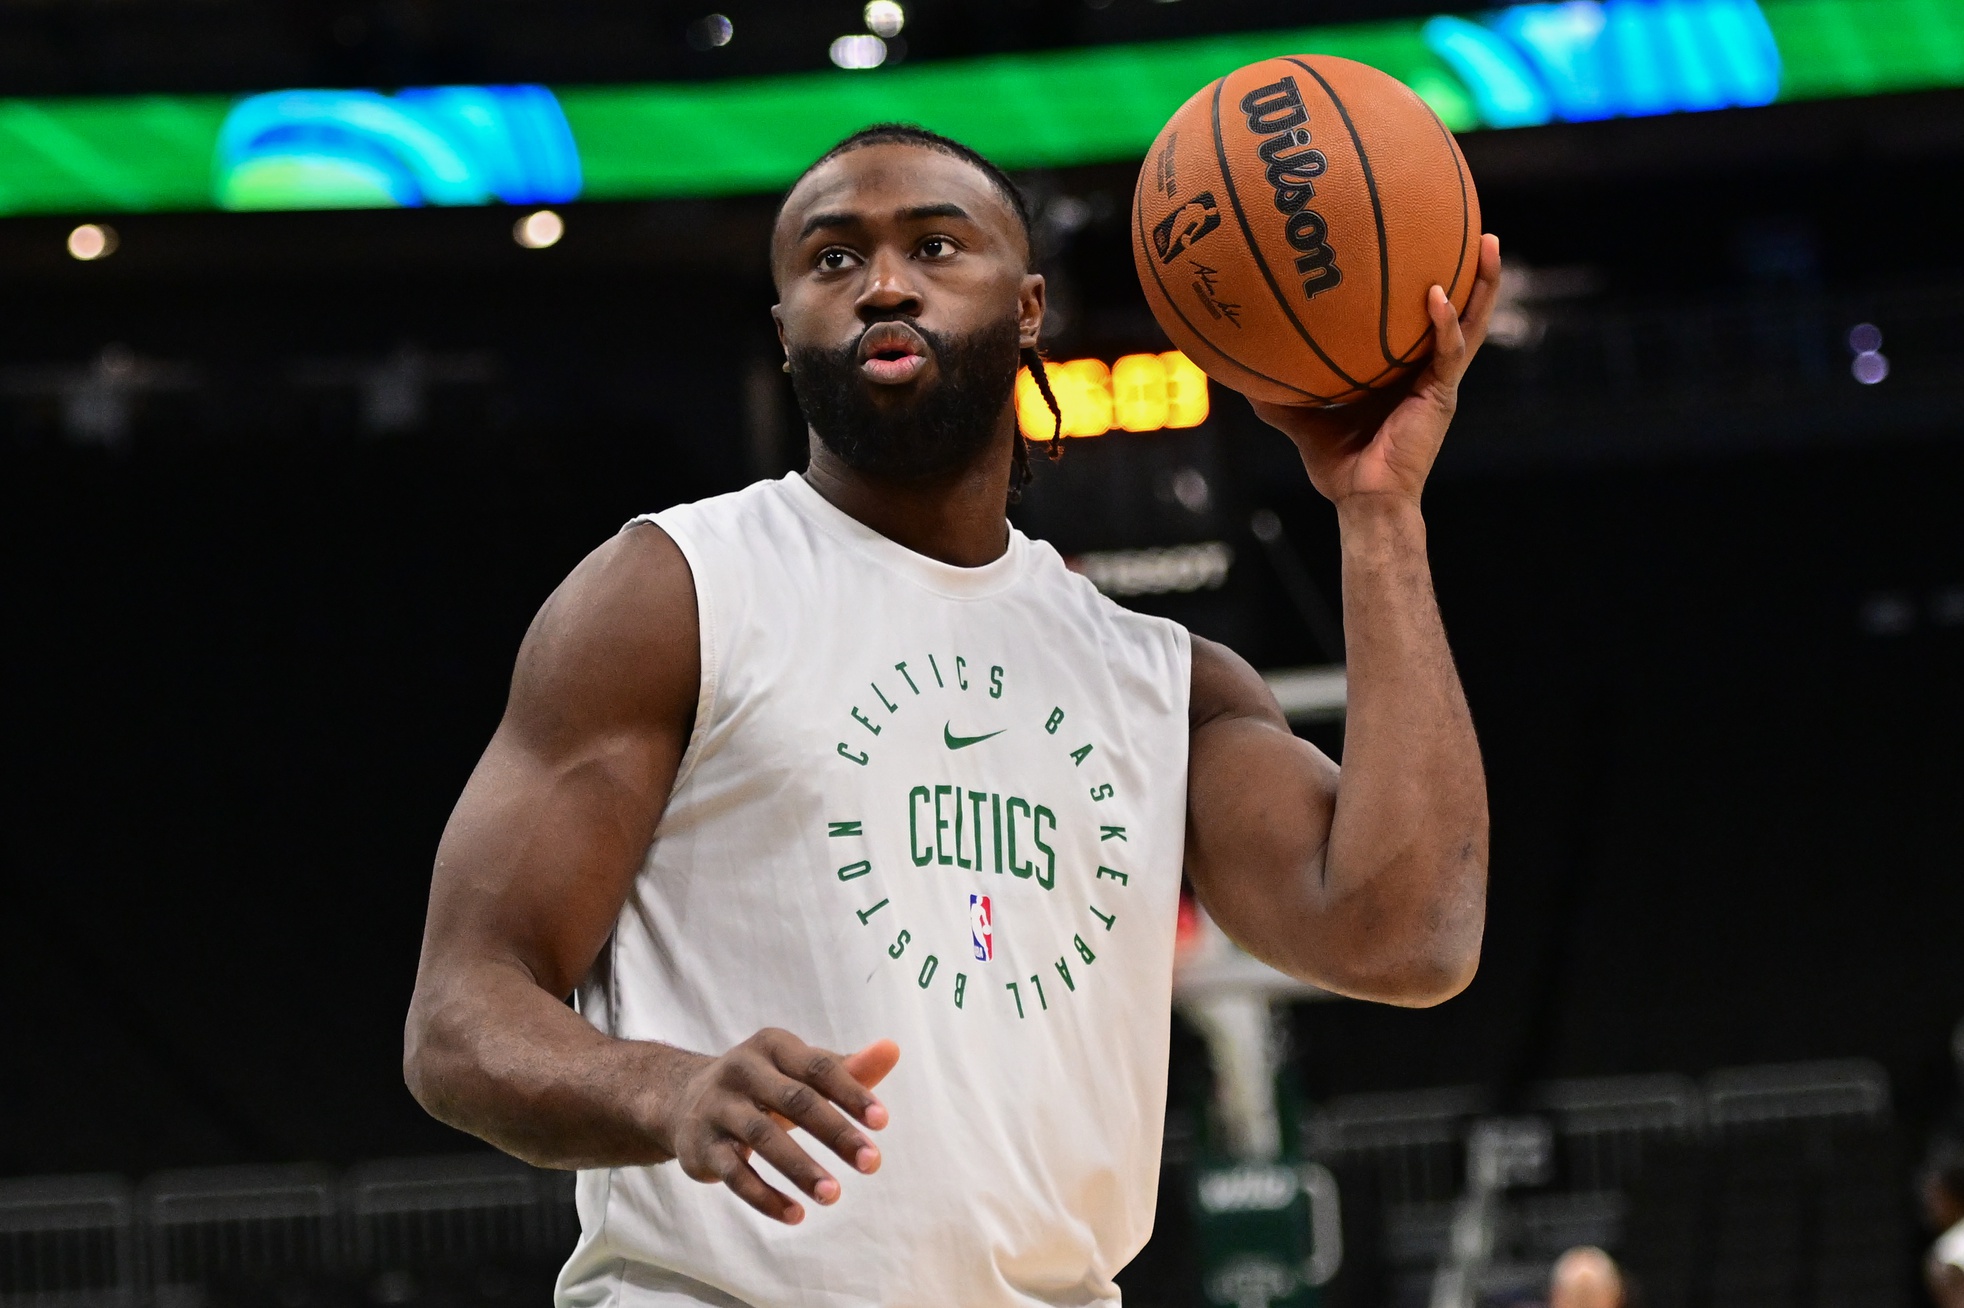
(829, 221)
(821, 221)
(919, 212)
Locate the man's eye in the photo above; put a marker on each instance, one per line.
(936, 246)
(834, 260)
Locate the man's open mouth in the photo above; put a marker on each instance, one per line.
(891, 353)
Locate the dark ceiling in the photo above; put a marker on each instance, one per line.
(69, 47)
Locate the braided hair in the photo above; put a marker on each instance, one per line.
(1032, 358)
(1054, 447)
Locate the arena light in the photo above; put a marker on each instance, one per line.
(711, 32)
(1871, 365)
(1139, 392)
(1186, 390)
(1151, 391)
(859, 51)
(1084, 393)
(885, 18)
(537, 231)
(92, 241)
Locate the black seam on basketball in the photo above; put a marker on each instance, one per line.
(1377, 210)
(1410, 356)
(1384, 372)
(1465, 222)
(1407, 359)
(1465, 209)
(1388, 370)
(1145, 248)
(1255, 251)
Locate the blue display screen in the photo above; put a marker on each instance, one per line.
(1585, 60)
(363, 149)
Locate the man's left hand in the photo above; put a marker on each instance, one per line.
(1385, 444)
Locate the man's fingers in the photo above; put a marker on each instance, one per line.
(1486, 293)
(1449, 337)
(870, 1065)
(794, 1103)
(744, 1182)
(764, 1088)
(755, 1131)
(826, 1073)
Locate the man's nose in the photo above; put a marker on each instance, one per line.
(890, 290)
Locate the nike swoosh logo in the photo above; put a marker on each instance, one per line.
(963, 742)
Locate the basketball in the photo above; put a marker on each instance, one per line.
(1287, 224)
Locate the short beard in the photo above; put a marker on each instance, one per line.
(942, 431)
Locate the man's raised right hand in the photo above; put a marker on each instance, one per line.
(746, 1101)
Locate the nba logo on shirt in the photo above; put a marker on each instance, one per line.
(980, 933)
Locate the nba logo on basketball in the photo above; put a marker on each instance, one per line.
(980, 933)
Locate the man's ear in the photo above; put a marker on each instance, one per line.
(1029, 311)
(777, 321)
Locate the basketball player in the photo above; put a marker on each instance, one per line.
(841, 776)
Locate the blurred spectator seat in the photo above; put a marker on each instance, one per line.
(1604, 1126)
(559, 1220)
(1793, 1200)
(444, 1211)
(1410, 1139)
(217, 1229)
(1664, 1236)
(67, 1241)
(1552, 1223)
(1852, 1088)
(1407, 1146)
(1859, 1249)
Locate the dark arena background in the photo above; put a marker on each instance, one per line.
(283, 482)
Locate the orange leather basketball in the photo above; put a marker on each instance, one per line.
(1289, 220)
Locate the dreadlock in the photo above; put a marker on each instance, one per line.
(910, 134)
(1054, 447)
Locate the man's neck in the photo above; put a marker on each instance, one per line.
(959, 519)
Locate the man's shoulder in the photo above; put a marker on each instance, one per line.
(635, 589)
(716, 513)
(614, 646)
(1073, 586)
(1225, 685)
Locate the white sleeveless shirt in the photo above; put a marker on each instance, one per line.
(942, 805)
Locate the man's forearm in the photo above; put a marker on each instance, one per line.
(500, 1058)
(1408, 840)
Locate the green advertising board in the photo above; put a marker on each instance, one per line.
(1269, 1235)
(1506, 68)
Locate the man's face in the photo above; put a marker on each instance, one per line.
(904, 298)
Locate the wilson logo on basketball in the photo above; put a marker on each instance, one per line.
(1185, 225)
(1276, 111)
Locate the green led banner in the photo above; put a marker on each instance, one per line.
(1524, 65)
(1023, 111)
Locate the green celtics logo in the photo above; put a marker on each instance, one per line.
(986, 861)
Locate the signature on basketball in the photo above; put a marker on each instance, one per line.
(1203, 286)
(1277, 112)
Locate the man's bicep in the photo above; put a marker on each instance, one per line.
(1259, 798)
(550, 830)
